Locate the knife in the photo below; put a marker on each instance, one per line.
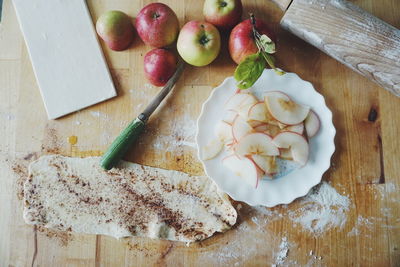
(349, 34)
(131, 133)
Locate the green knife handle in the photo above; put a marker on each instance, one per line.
(122, 143)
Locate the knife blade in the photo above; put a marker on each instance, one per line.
(132, 132)
(349, 34)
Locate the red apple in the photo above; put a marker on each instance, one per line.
(157, 25)
(241, 40)
(159, 66)
(223, 13)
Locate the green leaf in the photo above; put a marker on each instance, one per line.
(267, 44)
(249, 70)
(271, 62)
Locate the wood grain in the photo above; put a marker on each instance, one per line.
(351, 35)
(282, 4)
(364, 168)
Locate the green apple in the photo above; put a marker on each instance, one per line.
(224, 14)
(116, 29)
(199, 43)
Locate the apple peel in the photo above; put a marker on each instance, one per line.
(245, 168)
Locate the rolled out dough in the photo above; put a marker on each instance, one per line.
(75, 194)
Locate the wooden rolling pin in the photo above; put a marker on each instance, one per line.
(349, 34)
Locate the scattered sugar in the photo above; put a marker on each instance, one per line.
(367, 226)
(354, 231)
(95, 113)
(234, 253)
(148, 86)
(321, 210)
(98, 114)
(181, 135)
(390, 187)
(282, 253)
(385, 190)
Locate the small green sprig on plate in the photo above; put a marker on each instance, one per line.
(251, 68)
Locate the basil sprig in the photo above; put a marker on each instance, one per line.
(251, 68)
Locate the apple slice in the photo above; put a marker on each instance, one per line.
(276, 94)
(243, 109)
(286, 111)
(229, 116)
(212, 149)
(297, 144)
(223, 131)
(312, 124)
(254, 124)
(259, 112)
(273, 121)
(272, 130)
(285, 153)
(249, 101)
(297, 128)
(244, 168)
(256, 143)
(240, 128)
(282, 125)
(261, 127)
(265, 163)
(235, 100)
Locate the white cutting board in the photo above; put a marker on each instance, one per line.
(68, 62)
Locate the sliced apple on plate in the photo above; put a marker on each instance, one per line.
(276, 94)
(229, 116)
(259, 112)
(297, 128)
(254, 124)
(272, 130)
(285, 110)
(243, 167)
(285, 153)
(312, 124)
(265, 163)
(212, 149)
(240, 128)
(296, 143)
(244, 107)
(281, 125)
(223, 131)
(235, 101)
(256, 144)
(261, 127)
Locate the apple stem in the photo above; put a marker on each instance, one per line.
(253, 23)
(257, 38)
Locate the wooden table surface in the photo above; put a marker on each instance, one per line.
(365, 167)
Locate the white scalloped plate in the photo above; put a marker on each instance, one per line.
(285, 189)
